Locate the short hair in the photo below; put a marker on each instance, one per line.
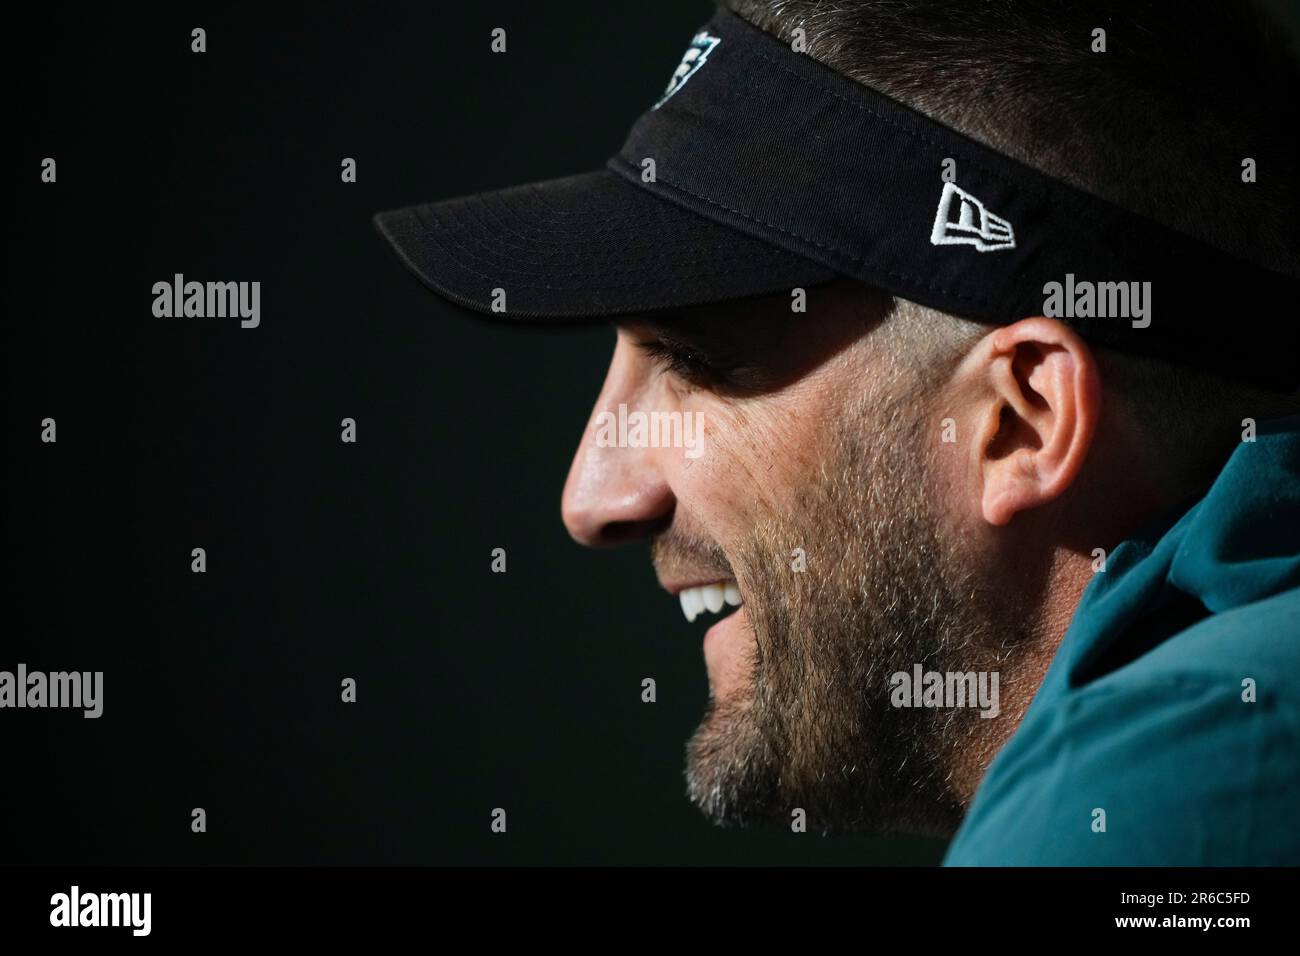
(1159, 123)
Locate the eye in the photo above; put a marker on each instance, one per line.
(689, 364)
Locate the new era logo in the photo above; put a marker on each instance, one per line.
(701, 46)
(963, 220)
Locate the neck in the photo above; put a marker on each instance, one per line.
(1020, 675)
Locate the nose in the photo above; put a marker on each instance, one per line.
(613, 499)
(615, 495)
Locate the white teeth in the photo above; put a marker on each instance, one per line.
(713, 597)
(710, 597)
(697, 603)
(691, 603)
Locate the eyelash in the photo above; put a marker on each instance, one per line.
(686, 363)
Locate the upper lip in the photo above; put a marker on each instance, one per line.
(678, 585)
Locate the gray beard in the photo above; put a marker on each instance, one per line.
(814, 727)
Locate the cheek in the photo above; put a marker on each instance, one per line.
(754, 457)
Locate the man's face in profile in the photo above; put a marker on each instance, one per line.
(820, 496)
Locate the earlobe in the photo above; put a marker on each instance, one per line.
(1042, 404)
(1014, 489)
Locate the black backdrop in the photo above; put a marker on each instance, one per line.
(325, 560)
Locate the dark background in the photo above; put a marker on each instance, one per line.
(325, 560)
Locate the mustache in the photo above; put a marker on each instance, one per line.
(678, 555)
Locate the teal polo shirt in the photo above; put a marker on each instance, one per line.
(1167, 729)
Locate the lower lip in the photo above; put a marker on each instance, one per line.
(725, 652)
(724, 625)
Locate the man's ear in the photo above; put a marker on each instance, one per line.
(1038, 397)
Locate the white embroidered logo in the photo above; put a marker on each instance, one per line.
(963, 220)
(701, 46)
